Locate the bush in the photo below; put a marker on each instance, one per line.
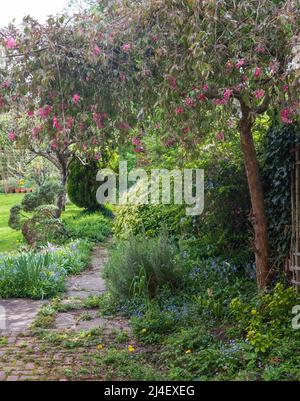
(82, 185)
(41, 275)
(142, 266)
(45, 195)
(14, 221)
(44, 227)
(93, 227)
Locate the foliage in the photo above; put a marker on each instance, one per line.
(44, 195)
(44, 227)
(14, 221)
(278, 161)
(94, 227)
(82, 185)
(267, 318)
(142, 266)
(41, 275)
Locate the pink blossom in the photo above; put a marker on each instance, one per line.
(122, 77)
(240, 63)
(285, 88)
(70, 122)
(219, 102)
(94, 141)
(257, 72)
(5, 84)
(11, 136)
(227, 94)
(220, 136)
(186, 130)
(189, 102)
(56, 123)
(286, 116)
(138, 149)
(76, 98)
(10, 43)
(45, 111)
(97, 156)
(126, 48)
(96, 51)
(98, 120)
(172, 82)
(201, 97)
(259, 93)
(260, 49)
(54, 144)
(84, 146)
(30, 113)
(136, 141)
(205, 87)
(179, 110)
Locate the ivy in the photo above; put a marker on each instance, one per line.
(278, 162)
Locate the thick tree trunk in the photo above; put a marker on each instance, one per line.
(258, 218)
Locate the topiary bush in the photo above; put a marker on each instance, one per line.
(141, 266)
(44, 227)
(82, 185)
(45, 195)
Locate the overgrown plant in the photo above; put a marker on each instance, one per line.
(141, 266)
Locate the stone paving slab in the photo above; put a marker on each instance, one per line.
(16, 315)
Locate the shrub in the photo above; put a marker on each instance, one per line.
(82, 185)
(141, 266)
(44, 227)
(94, 227)
(45, 195)
(41, 275)
(14, 221)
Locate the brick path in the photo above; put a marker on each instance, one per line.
(25, 356)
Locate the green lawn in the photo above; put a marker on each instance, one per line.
(10, 239)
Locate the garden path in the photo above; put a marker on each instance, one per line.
(63, 352)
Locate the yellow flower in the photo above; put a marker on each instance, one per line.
(144, 331)
(253, 311)
(131, 348)
(100, 346)
(188, 351)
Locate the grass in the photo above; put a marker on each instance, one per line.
(11, 240)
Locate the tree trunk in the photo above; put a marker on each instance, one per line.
(258, 217)
(62, 197)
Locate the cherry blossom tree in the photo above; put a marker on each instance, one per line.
(217, 65)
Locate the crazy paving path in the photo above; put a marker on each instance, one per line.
(71, 348)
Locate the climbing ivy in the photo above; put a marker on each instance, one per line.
(278, 160)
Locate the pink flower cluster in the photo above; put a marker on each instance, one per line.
(45, 111)
(10, 43)
(286, 116)
(136, 141)
(11, 136)
(76, 98)
(126, 47)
